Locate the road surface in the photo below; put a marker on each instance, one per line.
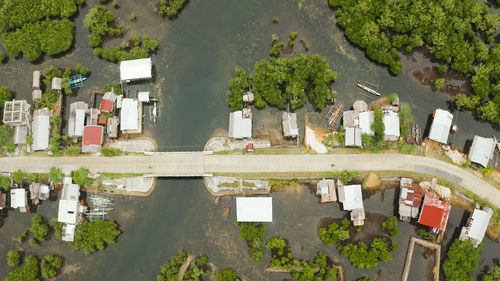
(196, 164)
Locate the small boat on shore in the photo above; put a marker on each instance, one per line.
(369, 90)
(96, 213)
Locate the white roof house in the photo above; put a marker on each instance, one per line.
(240, 127)
(391, 123)
(129, 115)
(353, 137)
(254, 209)
(365, 122)
(68, 204)
(68, 232)
(289, 122)
(40, 129)
(56, 83)
(482, 150)
(18, 199)
(135, 69)
(351, 197)
(476, 226)
(36, 79)
(441, 125)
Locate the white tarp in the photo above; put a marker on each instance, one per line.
(129, 115)
(441, 125)
(482, 150)
(254, 209)
(135, 69)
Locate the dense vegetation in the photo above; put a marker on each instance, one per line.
(102, 22)
(29, 271)
(13, 258)
(227, 274)
(253, 232)
(453, 31)
(406, 119)
(5, 95)
(81, 176)
(301, 270)
(391, 226)
(493, 274)
(39, 229)
(170, 8)
(36, 27)
(92, 236)
(461, 259)
(363, 256)
(49, 266)
(170, 269)
(283, 81)
(332, 233)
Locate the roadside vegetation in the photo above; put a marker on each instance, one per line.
(32, 28)
(282, 81)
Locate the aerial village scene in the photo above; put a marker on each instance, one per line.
(249, 140)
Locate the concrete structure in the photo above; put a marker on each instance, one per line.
(254, 209)
(76, 121)
(38, 192)
(20, 134)
(138, 69)
(36, 79)
(435, 213)
(391, 123)
(353, 137)
(482, 150)
(19, 199)
(441, 125)
(476, 226)
(409, 256)
(240, 125)
(40, 129)
(16, 113)
(366, 120)
(289, 123)
(410, 199)
(130, 121)
(352, 200)
(326, 189)
(92, 139)
(56, 84)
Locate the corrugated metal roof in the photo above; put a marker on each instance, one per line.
(40, 129)
(68, 210)
(349, 119)
(92, 139)
(352, 197)
(239, 127)
(254, 209)
(434, 212)
(482, 150)
(353, 137)
(18, 198)
(391, 123)
(478, 224)
(56, 83)
(441, 125)
(365, 122)
(20, 134)
(129, 115)
(135, 69)
(289, 123)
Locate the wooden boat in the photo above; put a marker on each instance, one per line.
(369, 90)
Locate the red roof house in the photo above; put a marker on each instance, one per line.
(106, 105)
(435, 213)
(92, 139)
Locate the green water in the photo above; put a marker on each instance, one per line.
(193, 66)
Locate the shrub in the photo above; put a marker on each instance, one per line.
(257, 255)
(132, 17)
(227, 274)
(391, 226)
(81, 176)
(332, 234)
(50, 265)
(461, 259)
(252, 231)
(110, 151)
(29, 271)
(392, 97)
(92, 236)
(73, 150)
(13, 258)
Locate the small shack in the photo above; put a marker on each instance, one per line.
(112, 127)
(410, 199)
(143, 97)
(482, 149)
(19, 199)
(16, 113)
(130, 119)
(359, 106)
(254, 209)
(240, 125)
(139, 69)
(366, 120)
(351, 198)
(476, 226)
(248, 97)
(441, 125)
(20, 134)
(76, 121)
(353, 137)
(92, 139)
(326, 190)
(349, 119)
(391, 123)
(107, 102)
(289, 122)
(435, 213)
(36, 79)
(93, 116)
(38, 192)
(56, 84)
(36, 95)
(40, 129)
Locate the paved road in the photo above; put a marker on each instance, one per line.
(197, 164)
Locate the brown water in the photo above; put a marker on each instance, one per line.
(193, 66)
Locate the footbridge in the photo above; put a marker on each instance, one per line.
(199, 164)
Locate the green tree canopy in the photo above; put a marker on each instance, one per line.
(391, 226)
(92, 236)
(27, 272)
(13, 258)
(81, 176)
(5, 134)
(18, 176)
(49, 266)
(56, 175)
(252, 231)
(227, 274)
(461, 259)
(5, 94)
(39, 228)
(4, 183)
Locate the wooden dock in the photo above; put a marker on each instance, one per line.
(409, 255)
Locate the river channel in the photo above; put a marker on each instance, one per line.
(195, 62)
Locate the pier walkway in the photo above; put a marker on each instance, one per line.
(198, 164)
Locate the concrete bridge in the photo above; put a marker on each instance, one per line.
(198, 164)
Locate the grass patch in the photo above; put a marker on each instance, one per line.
(120, 175)
(276, 175)
(234, 184)
(248, 184)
